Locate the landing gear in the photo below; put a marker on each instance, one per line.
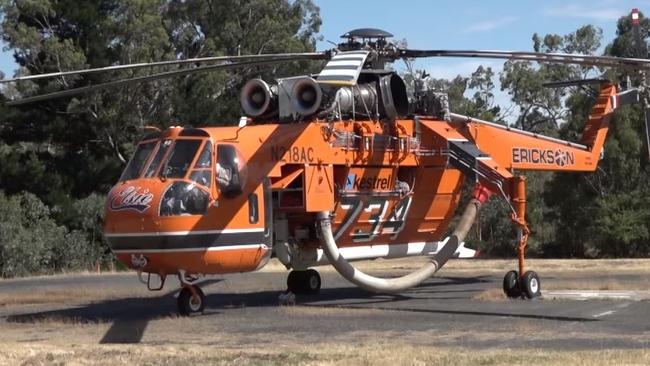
(190, 300)
(304, 282)
(526, 285)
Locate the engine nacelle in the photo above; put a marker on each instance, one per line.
(258, 98)
(306, 96)
(394, 100)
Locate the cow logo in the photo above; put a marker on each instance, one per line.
(139, 261)
(132, 198)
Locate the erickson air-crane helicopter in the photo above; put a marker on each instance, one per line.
(331, 168)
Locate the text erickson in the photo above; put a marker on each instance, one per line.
(535, 155)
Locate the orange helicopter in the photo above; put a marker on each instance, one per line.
(332, 168)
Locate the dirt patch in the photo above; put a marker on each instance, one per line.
(493, 294)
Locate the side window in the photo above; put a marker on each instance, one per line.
(253, 209)
(231, 171)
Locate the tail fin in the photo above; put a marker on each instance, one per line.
(597, 125)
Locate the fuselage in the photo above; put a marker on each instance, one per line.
(215, 200)
(224, 199)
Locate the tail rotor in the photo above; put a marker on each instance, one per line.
(641, 52)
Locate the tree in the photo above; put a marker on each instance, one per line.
(606, 213)
(70, 151)
(31, 242)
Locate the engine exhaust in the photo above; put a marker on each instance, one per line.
(257, 98)
(306, 96)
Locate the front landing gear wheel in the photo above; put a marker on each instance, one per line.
(188, 303)
(531, 287)
(511, 284)
(304, 282)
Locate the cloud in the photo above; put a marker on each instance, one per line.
(585, 12)
(489, 25)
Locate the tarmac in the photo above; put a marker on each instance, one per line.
(443, 311)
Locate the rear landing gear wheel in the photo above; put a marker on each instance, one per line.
(304, 282)
(511, 284)
(531, 287)
(188, 303)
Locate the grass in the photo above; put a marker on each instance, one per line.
(602, 266)
(363, 353)
(79, 295)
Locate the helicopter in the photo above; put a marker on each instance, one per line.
(331, 168)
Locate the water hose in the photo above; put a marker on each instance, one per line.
(393, 285)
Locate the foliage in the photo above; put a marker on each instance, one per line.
(69, 151)
(32, 242)
(60, 157)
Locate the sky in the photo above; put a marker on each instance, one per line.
(473, 24)
(468, 24)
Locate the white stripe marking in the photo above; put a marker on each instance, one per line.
(358, 55)
(610, 312)
(206, 249)
(183, 233)
(338, 73)
(343, 63)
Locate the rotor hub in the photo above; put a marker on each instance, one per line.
(371, 39)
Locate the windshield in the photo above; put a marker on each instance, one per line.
(202, 173)
(179, 160)
(155, 162)
(140, 157)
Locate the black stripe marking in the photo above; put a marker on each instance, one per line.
(358, 59)
(346, 67)
(336, 78)
(184, 241)
(352, 53)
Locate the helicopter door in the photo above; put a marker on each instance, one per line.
(234, 186)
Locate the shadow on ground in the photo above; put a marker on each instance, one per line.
(130, 316)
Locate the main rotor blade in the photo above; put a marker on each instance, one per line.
(140, 79)
(561, 58)
(262, 57)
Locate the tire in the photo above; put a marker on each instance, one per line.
(304, 282)
(187, 304)
(312, 282)
(294, 281)
(511, 284)
(531, 286)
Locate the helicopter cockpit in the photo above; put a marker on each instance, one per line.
(184, 170)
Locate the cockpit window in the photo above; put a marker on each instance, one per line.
(205, 159)
(140, 157)
(202, 173)
(155, 162)
(180, 159)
